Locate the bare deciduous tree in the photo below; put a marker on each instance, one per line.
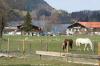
(2, 23)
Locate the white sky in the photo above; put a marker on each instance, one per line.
(75, 5)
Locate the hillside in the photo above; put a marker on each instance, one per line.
(86, 15)
(27, 5)
(16, 10)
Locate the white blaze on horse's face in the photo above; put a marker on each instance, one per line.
(85, 41)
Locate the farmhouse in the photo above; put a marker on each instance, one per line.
(84, 28)
(10, 30)
(35, 29)
(14, 28)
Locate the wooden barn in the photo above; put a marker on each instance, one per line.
(35, 30)
(83, 28)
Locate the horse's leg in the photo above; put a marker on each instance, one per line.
(88, 47)
(79, 47)
(91, 46)
(85, 47)
(63, 48)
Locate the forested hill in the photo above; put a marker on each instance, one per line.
(26, 5)
(86, 15)
(16, 10)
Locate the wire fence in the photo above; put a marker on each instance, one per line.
(41, 44)
(21, 46)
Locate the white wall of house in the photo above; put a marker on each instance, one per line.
(69, 32)
(75, 30)
(11, 31)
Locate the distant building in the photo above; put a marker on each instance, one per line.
(10, 30)
(34, 29)
(14, 28)
(95, 26)
(83, 28)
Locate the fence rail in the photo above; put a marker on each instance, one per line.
(69, 57)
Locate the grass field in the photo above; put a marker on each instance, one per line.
(34, 43)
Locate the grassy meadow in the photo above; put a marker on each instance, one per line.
(44, 43)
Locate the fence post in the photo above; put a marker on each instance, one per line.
(8, 45)
(60, 45)
(99, 53)
(67, 46)
(47, 46)
(47, 42)
(67, 51)
(23, 46)
(41, 44)
(0, 43)
(30, 48)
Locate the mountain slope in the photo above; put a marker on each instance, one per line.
(86, 15)
(15, 8)
(27, 4)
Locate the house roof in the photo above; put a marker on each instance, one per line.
(91, 24)
(36, 28)
(76, 25)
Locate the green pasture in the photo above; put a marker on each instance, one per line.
(43, 43)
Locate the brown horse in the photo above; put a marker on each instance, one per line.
(66, 42)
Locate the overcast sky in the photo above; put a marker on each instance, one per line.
(75, 5)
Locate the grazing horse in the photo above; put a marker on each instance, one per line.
(66, 42)
(84, 41)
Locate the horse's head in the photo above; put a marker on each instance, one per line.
(91, 44)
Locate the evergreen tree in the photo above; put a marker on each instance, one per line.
(27, 26)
